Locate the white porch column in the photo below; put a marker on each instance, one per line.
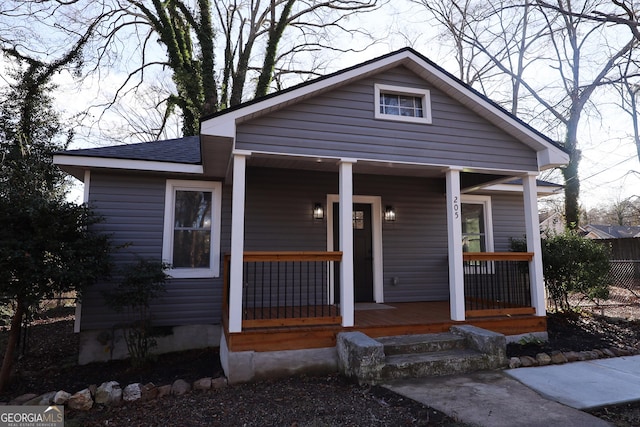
(533, 243)
(237, 242)
(454, 234)
(346, 242)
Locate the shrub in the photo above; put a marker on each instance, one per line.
(141, 283)
(572, 264)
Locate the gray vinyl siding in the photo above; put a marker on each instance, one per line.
(341, 123)
(133, 209)
(278, 217)
(508, 220)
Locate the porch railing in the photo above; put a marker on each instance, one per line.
(497, 283)
(286, 288)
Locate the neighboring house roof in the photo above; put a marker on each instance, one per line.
(598, 231)
(549, 153)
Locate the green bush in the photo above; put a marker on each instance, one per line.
(572, 264)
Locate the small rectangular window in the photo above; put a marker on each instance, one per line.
(402, 104)
(477, 229)
(191, 242)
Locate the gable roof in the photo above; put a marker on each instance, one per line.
(549, 153)
(599, 231)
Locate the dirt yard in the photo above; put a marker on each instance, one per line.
(49, 364)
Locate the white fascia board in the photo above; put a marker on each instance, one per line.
(552, 158)
(517, 188)
(127, 164)
(224, 125)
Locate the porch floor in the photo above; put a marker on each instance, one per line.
(386, 319)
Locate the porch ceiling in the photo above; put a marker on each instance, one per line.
(331, 165)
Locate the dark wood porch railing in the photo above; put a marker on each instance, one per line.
(497, 283)
(285, 289)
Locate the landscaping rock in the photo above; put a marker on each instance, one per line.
(202, 384)
(92, 389)
(599, 353)
(572, 356)
(558, 358)
(132, 392)
(218, 383)
(528, 361)
(514, 362)
(42, 400)
(61, 397)
(108, 393)
(20, 400)
(608, 353)
(543, 359)
(180, 387)
(619, 351)
(164, 390)
(81, 401)
(148, 392)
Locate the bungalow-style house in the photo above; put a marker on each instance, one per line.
(380, 198)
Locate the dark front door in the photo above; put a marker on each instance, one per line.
(362, 252)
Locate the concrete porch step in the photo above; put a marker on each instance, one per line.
(465, 348)
(425, 343)
(431, 364)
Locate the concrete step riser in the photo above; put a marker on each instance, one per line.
(434, 368)
(425, 347)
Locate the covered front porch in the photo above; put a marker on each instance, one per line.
(300, 299)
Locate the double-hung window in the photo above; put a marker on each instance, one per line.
(402, 104)
(191, 241)
(477, 227)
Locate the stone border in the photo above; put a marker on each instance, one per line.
(111, 394)
(559, 358)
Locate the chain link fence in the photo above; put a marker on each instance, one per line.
(624, 292)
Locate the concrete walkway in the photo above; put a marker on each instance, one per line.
(585, 385)
(493, 399)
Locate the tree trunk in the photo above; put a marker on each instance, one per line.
(14, 336)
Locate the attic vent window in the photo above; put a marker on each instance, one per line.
(402, 104)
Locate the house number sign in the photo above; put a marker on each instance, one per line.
(456, 207)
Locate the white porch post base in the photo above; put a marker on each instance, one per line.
(346, 243)
(454, 237)
(533, 244)
(237, 242)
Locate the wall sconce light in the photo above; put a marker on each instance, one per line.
(389, 213)
(318, 211)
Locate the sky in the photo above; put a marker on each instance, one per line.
(609, 170)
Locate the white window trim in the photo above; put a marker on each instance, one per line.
(399, 90)
(172, 186)
(485, 201)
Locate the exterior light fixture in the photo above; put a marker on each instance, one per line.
(318, 211)
(389, 214)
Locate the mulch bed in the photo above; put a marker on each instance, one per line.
(49, 364)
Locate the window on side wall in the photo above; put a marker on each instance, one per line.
(402, 104)
(191, 240)
(477, 227)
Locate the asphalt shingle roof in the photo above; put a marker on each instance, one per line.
(179, 150)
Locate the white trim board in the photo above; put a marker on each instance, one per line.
(376, 236)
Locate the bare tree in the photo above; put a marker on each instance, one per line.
(219, 53)
(580, 56)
